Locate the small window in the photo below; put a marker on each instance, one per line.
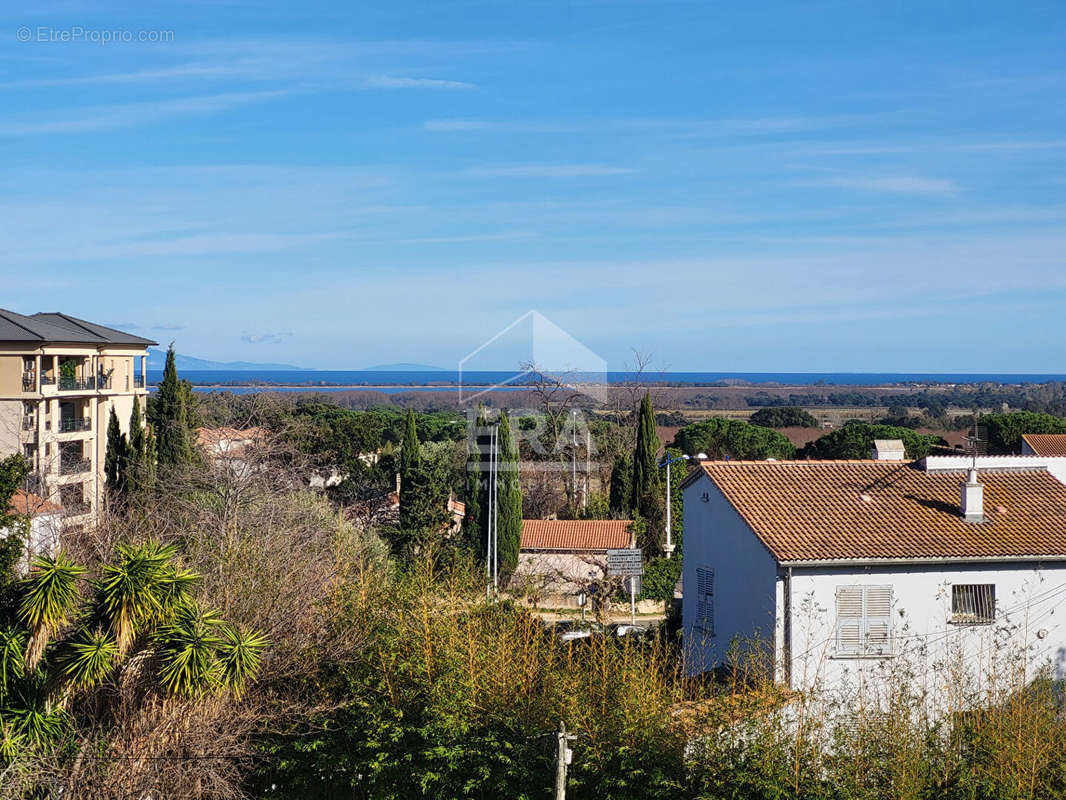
(973, 603)
(864, 621)
(705, 600)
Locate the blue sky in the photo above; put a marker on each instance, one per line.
(795, 186)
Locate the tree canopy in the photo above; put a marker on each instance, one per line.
(731, 438)
(783, 417)
(1005, 430)
(857, 440)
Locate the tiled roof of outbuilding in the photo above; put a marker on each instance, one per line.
(572, 535)
(1046, 444)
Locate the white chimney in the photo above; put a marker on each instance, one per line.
(972, 496)
(888, 450)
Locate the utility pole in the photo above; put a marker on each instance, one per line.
(495, 511)
(562, 759)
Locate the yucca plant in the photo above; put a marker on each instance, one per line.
(49, 594)
(33, 715)
(87, 659)
(11, 742)
(188, 662)
(12, 653)
(140, 589)
(239, 657)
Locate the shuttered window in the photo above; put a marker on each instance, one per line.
(705, 600)
(864, 621)
(973, 603)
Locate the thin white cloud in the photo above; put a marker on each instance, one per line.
(101, 118)
(141, 76)
(552, 171)
(266, 338)
(900, 184)
(396, 82)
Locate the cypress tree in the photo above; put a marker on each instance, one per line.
(508, 499)
(170, 418)
(476, 487)
(621, 485)
(410, 477)
(137, 453)
(115, 459)
(645, 469)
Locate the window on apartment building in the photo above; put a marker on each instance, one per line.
(973, 603)
(705, 600)
(864, 621)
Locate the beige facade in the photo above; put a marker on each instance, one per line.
(55, 402)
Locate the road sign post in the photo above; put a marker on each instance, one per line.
(627, 562)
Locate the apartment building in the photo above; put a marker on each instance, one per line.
(59, 379)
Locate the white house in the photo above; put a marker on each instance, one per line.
(838, 569)
(45, 523)
(1056, 465)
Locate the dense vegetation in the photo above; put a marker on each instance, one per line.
(856, 440)
(730, 438)
(783, 417)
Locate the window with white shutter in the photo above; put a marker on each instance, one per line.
(864, 621)
(705, 600)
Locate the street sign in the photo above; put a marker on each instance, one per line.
(625, 561)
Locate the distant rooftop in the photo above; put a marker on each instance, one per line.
(1046, 444)
(57, 328)
(573, 535)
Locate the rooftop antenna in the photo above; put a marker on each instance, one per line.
(977, 442)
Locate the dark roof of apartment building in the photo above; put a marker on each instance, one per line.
(46, 328)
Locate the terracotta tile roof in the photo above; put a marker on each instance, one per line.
(1046, 444)
(568, 535)
(26, 503)
(836, 510)
(208, 437)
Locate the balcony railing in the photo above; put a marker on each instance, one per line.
(73, 424)
(74, 467)
(29, 424)
(75, 384)
(76, 509)
(29, 381)
(138, 382)
(47, 380)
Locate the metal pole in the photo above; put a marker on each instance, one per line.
(560, 762)
(488, 521)
(632, 599)
(496, 514)
(588, 467)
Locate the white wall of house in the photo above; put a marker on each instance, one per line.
(559, 574)
(1030, 618)
(1056, 465)
(742, 603)
(43, 537)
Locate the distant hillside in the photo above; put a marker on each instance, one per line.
(403, 368)
(157, 360)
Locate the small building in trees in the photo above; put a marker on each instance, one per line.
(847, 573)
(560, 558)
(43, 520)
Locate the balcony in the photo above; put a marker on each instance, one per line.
(48, 380)
(29, 381)
(103, 382)
(70, 424)
(76, 384)
(74, 466)
(29, 424)
(76, 509)
(138, 381)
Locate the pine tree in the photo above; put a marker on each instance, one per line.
(116, 458)
(645, 469)
(508, 499)
(170, 418)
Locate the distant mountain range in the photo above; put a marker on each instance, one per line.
(157, 360)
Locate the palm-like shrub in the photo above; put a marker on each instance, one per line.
(87, 659)
(12, 653)
(239, 657)
(50, 593)
(188, 664)
(140, 591)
